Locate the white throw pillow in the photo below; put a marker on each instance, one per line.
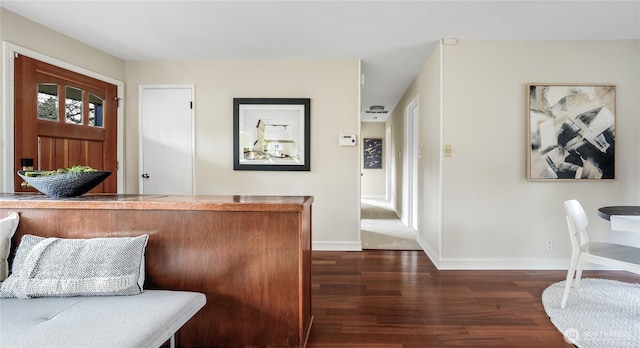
(8, 227)
(76, 267)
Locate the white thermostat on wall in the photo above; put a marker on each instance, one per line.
(347, 140)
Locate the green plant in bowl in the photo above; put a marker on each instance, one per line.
(64, 182)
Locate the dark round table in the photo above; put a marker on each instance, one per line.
(606, 212)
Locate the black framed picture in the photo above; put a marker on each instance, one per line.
(271, 134)
(372, 152)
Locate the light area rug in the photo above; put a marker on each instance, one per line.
(600, 313)
(387, 235)
(380, 228)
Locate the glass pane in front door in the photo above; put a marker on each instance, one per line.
(73, 105)
(95, 110)
(48, 101)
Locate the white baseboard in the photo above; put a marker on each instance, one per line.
(515, 264)
(337, 246)
(503, 264)
(376, 197)
(471, 264)
(432, 255)
(402, 218)
(492, 264)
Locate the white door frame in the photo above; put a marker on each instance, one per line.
(141, 139)
(388, 155)
(9, 51)
(411, 174)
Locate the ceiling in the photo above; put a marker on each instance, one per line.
(392, 38)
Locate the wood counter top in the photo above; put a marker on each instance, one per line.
(157, 202)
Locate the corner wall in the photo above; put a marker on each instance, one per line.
(427, 87)
(478, 210)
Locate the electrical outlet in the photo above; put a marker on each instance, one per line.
(549, 245)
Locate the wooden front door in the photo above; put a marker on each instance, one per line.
(63, 119)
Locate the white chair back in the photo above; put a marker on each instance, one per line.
(577, 221)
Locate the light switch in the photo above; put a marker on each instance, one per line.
(448, 151)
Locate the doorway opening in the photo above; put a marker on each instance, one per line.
(381, 226)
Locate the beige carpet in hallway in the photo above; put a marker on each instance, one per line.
(380, 228)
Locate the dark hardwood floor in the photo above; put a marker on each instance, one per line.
(397, 299)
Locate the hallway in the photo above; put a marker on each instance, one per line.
(380, 228)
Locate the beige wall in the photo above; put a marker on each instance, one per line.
(373, 183)
(484, 118)
(397, 126)
(492, 217)
(477, 208)
(333, 87)
(427, 89)
(25, 33)
(430, 166)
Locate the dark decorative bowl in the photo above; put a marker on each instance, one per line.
(64, 185)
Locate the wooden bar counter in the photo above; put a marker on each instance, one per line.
(250, 255)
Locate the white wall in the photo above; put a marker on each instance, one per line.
(492, 216)
(332, 86)
(373, 180)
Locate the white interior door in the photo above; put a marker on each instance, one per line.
(388, 155)
(410, 194)
(166, 140)
(415, 155)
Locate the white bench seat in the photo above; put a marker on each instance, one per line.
(146, 320)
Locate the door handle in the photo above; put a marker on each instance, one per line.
(145, 176)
